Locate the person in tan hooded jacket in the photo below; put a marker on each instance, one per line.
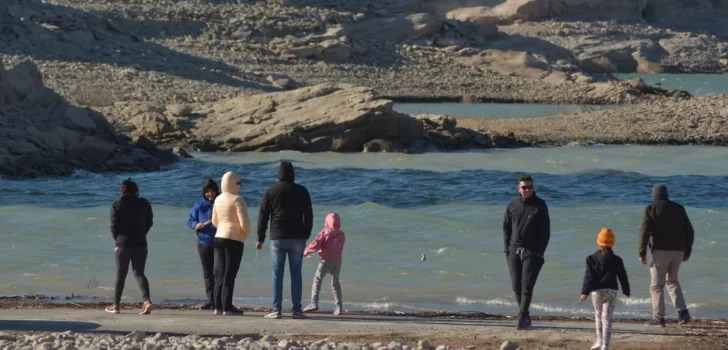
(230, 217)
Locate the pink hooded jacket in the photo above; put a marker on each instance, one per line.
(330, 241)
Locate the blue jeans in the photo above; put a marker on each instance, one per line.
(279, 249)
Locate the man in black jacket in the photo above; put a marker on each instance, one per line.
(288, 207)
(526, 233)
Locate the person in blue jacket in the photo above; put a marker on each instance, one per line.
(201, 221)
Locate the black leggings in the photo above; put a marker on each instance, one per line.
(207, 258)
(138, 258)
(228, 254)
(524, 269)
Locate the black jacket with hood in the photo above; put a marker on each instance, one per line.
(665, 225)
(131, 218)
(287, 205)
(603, 272)
(526, 224)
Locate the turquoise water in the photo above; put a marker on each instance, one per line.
(695, 84)
(494, 110)
(394, 207)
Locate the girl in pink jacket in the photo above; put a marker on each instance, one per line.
(330, 245)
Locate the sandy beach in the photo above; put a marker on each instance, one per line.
(197, 328)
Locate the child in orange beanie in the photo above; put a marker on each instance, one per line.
(603, 269)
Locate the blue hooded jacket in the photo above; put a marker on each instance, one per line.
(202, 212)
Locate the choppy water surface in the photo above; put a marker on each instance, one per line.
(394, 207)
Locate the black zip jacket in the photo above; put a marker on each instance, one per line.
(527, 224)
(287, 205)
(131, 218)
(602, 272)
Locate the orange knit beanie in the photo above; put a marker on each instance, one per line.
(606, 238)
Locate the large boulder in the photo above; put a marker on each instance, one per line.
(501, 12)
(509, 11)
(351, 115)
(43, 135)
(321, 118)
(398, 28)
(23, 86)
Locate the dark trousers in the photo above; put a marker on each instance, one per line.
(228, 254)
(207, 258)
(524, 267)
(138, 258)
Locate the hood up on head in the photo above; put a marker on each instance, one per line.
(210, 184)
(333, 221)
(231, 183)
(659, 192)
(285, 172)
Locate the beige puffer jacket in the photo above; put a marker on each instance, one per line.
(230, 212)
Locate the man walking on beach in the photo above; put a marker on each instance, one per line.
(526, 233)
(668, 231)
(288, 207)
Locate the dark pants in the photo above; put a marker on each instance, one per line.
(524, 268)
(138, 258)
(228, 254)
(207, 258)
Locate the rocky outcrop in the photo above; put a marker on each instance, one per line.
(320, 118)
(509, 11)
(398, 28)
(41, 134)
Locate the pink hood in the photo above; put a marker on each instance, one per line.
(330, 241)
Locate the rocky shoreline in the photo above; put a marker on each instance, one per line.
(96, 52)
(42, 134)
(74, 328)
(127, 86)
(698, 121)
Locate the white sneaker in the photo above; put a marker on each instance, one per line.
(276, 315)
(596, 346)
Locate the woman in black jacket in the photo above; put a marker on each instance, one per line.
(603, 269)
(131, 219)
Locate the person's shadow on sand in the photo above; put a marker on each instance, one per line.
(47, 326)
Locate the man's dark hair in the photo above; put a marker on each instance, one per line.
(525, 178)
(129, 187)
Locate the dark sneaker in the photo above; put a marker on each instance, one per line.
(528, 322)
(655, 321)
(233, 312)
(206, 306)
(521, 323)
(311, 308)
(273, 315)
(683, 317)
(112, 309)
(299, 315)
